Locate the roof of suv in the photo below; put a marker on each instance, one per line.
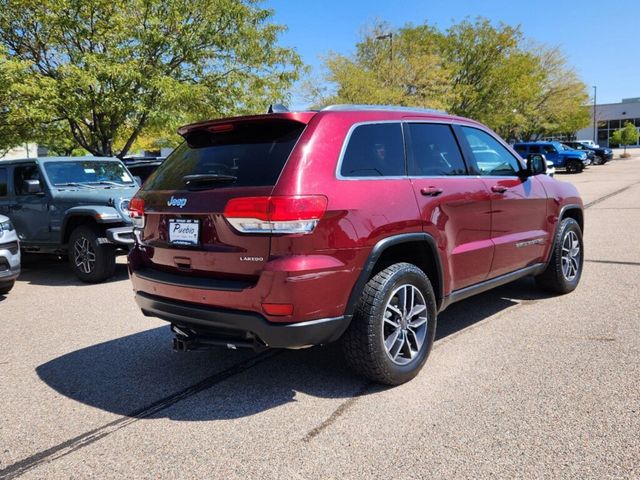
(60, 159)
(373, 111)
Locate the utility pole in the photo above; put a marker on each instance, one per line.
(595, 138)
(390, 37)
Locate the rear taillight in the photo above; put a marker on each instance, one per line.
(294, 214)
(136, 212)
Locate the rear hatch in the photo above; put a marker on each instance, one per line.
(185, 232)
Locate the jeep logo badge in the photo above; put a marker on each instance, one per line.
(176, 202)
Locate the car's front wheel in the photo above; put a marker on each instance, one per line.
(91, 261)
(564, 270)
(393, 328)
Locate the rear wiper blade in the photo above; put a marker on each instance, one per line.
(203, 178)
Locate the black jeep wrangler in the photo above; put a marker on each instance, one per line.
(75, 206)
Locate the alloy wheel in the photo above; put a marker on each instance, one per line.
(405, 323)
(83, 255)
(570, 256)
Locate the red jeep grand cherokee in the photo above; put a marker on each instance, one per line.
(357, 223)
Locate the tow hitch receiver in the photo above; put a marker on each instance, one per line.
(186, 340)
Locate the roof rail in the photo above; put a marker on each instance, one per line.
(394, 108)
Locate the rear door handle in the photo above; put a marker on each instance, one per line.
(431, 191)
(499, 189)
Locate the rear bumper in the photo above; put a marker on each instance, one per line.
(242, 325)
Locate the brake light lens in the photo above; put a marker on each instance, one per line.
(136, 212)
(291, 214)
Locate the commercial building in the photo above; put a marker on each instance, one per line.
(610, 117)
(27, 150)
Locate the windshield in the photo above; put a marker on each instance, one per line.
(88, 172)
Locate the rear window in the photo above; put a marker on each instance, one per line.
(238, 155)
(375, 150)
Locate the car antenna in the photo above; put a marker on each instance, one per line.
(277, 108)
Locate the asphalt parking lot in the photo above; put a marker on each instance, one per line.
(519, 384)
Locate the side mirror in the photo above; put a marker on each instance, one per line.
(536, 164)
(31, 187)
(138, 180)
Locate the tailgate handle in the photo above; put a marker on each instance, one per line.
(183, 263)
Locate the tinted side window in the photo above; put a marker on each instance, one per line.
(3, 182)
(374, 150)
(549, 149)
(534, 148)
(20, 174)
(490, 156)
(433, 151)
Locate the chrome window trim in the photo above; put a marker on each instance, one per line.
(441, 121)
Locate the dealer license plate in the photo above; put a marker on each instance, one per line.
(184, 231)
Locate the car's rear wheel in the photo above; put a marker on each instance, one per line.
(393, 328)
(6, 287)
(564, 270)
(91, 261)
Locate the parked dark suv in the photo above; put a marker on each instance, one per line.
(351, 223)
(601, 155)
(75, 206)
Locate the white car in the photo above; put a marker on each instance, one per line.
(589, 143)
(9, 255)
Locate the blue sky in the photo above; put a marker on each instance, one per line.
(600, 39)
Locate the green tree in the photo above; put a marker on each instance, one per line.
(109, 69)
(404, 69)
(628, 135)
(475, 69)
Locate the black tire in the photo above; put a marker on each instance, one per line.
(6, 287)
(574, 166)
(363, 342)
(103, 265)
(598, 160)
(554, 278)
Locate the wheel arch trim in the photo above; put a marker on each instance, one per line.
(377, 251)
(562, 216)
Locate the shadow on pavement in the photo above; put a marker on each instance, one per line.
(463, 314)
(129, 373)
(49, 270)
